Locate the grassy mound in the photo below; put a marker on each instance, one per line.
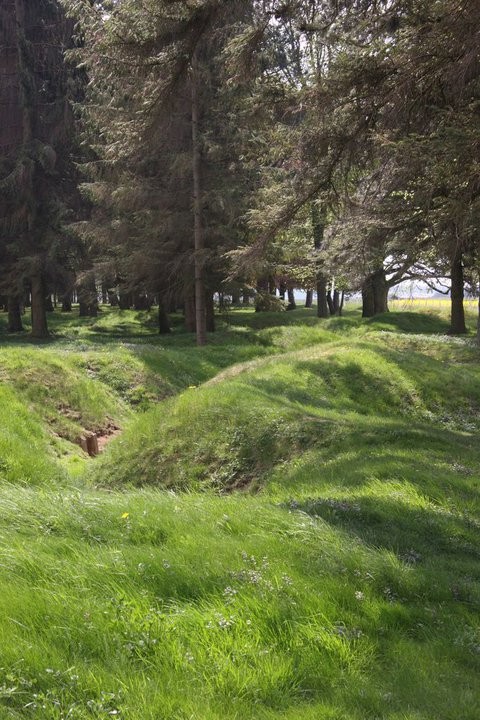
(232, 431)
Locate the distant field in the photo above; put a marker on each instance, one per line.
(285, 526)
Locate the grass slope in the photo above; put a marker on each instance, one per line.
(346, 587)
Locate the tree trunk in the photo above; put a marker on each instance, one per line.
(380, 292)
(318, 231)
(322, 305)
(189, 310)
(104, 292)
(368, 299)
(199, 239)
(478, 322)
(14, 314)
(336, 302)
(112, 298)
(262, 290)
(235, 297)
(163, 320)
(88, 296)
(309, 299)
(210, 310)
(292, 305)
(66, 302)
(124, 301)
(342, 303)
(457, 317)
(39, 314)
(375, 294)
(331, 307)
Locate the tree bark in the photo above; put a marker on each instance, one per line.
(292, 305)
(309, 299)
(368, 298)
(457, 317)
(336, 302)
(67, 302)
(14, 314)
(478, 323)
(163, 320)
(88, 297)
(375, 294)
(235, 297)
(331, 308)
(39, 314)
(210, 311)
(318, 231)
(113, 298)
(262, 290)
(189, 310)
(199, 239)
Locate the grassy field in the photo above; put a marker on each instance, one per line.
(286, 527)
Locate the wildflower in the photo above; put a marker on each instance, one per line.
(359, 595)
(125, 515)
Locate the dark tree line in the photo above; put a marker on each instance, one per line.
(174, 152)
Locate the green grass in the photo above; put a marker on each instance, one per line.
(339, 581)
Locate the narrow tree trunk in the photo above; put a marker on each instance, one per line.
(342, 303)
(309, 299)
(331, 307)
(210, 311)
(235, 297)
(282, 289)
(199, 239)
(272, 288)
(457, 317)
(104, 292)
(262, 291)
(336, 302)
(245, 298)
(67, 302)
(189, 310)
(292, 305)
(112, 298)
(322, 305)
(163, 320)
(318, 231)
(88, 296)
(39, 314)
(14, 314)
(478, 322)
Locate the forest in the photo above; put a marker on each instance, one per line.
(239, 359)
(187, 154)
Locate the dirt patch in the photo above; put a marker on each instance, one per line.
(94, 443)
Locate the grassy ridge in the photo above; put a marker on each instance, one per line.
(235, 429)
(345, 587)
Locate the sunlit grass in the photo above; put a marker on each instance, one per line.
(339, 581)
